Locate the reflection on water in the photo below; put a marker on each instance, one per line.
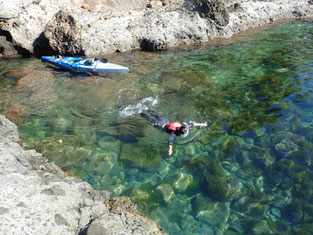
(249, 172)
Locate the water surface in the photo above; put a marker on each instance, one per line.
(249, 172)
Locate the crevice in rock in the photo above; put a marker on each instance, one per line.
(42, 46)
(6, 34)
(12, 45)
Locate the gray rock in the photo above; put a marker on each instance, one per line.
(100, 27)
(214, 10)
(97, 229)
(63, 35)
(6, 48)
(43, 199)
(4, 210)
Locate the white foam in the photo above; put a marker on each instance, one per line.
(141, 105)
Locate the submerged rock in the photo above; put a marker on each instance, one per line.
(293, 213)
(138, 194)
(218, 188)
(188, 81)
(166, 191)
(211, 212)
(15, 111)
(259, 227)
(181, 181)
(64, 150)
(214, 180)
(143, 157)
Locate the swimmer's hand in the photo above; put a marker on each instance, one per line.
(170, 150)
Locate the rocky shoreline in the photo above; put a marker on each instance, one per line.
(93, 28)
(39, 198)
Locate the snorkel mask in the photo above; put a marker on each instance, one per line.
(187, 130)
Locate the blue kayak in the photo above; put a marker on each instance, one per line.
(86, 65)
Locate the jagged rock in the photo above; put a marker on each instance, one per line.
(61, 36)
(96, 229)
(214, 10)
(39, 198)
(6, 47)
(154, 3)
(236, 7)
(108, 26)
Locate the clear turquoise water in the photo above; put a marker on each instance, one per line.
(249, 172)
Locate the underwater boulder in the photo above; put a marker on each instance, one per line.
(165, 191)
(187, 81)
(15, 111)
(293, 213)
(256, 210)
(35, 81)
(189, 224)
(139, 194)
(204, 166)
(218, 188)
(64, 150)
(306, 228)
(277, 61)
(102, 163)
(215, 181)
(181, 181)
(140, 156)
(210, 211)
(258, 227)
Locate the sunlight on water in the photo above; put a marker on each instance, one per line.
(249, 172)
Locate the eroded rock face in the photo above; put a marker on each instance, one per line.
(61, 36)
(97, 27)
(213, 9)
(39, 198)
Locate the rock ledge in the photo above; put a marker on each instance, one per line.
(39, 198)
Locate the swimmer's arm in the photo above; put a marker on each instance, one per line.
(200, 124)
(170, 143)
(170, 150)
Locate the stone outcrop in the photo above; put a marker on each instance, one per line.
(61, 35)
(39, 198)
(101, 26)
(214, 10)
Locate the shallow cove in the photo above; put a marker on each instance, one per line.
(249, 172)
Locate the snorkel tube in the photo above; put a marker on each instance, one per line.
(187, 132)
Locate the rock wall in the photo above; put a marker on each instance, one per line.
(102, 26)
(39, 198)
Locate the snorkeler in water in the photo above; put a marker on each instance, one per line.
(172, 128)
